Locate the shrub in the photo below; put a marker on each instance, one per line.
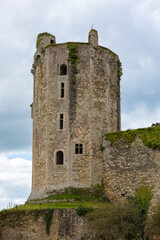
(153, 222)
(81, 210)
(115, 221)
(142, 197)
(123, 220)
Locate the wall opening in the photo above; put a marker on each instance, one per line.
(63, 70)
(61, 121)
(52, 41)
(59, 158)
(37, 60)
(62, 90)
(78, 148)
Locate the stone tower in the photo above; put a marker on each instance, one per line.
(76, 100)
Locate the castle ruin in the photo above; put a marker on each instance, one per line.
(76, 100)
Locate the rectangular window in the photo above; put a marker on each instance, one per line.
(61, 121)
(62, 90)
(79, 149)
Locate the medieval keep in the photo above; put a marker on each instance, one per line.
(76, 99)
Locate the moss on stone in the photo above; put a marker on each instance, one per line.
(150, 136)
(102, 147)
(48, 219)
(93, 30)
(39, 37)
(50, 45)
(74, 80)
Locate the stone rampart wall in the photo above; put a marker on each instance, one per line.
(127, 165)
(65, 224)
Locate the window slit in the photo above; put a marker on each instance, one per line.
(62, 90)
(61, 121)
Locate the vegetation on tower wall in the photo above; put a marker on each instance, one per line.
(119, 72)
(39, 37)
(73, 58)
(73, 55)
(149, 136)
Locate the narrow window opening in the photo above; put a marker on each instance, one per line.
(61, 121)
(37, 60)
(62, 90)
(76, 149)
(79, 149)
(63, 70)
(51, 41)
(59, 158)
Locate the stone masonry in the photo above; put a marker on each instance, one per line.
(126, 166)
(32, 225)
(74, 104)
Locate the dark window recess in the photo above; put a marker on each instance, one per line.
(61, 121)
(79, 149)
(63, 70)
(37, 60)
(59, 158)
(62, 90)
(52, 41)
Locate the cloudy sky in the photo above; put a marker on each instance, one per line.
(130, 28)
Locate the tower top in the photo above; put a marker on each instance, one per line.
(44, 39)
(93, 37)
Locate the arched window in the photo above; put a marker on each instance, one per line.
(59, 158)
(63, 70)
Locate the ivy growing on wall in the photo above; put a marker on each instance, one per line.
(48, 219)
(119, 72)
(73, 58)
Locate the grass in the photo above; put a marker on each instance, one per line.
(150, 136)
(57, 205)
(73, 197)
(92, 197)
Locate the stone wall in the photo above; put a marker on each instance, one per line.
(127, 165)
(65, 225)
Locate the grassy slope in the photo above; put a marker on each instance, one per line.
(58, 205)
